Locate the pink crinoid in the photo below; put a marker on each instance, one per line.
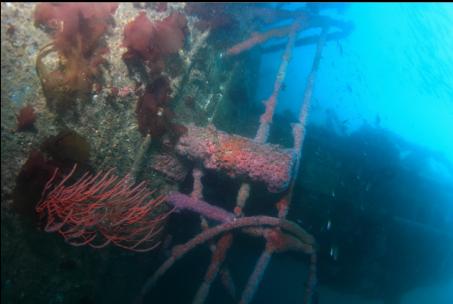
(103, 209)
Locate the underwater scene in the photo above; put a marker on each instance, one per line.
(249, 153)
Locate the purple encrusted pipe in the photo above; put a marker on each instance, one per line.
(184, 202)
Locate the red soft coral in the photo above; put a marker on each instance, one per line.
(152, 108)
(77, 29)
(77, 25)
(26, 118)
(137, 37)
(154, 114)
(151, 41)
(170, 33)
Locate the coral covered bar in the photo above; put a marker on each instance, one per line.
(239, 156)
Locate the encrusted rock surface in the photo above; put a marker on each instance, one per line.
(39, 267)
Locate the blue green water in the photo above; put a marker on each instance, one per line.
(394, 72)
(396, 64)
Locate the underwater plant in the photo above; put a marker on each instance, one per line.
(77, 30)
(60, 152)
(30, 182)
(151, 42)
(153, 111)
(102, 209)
(67, 147)
(26, 118)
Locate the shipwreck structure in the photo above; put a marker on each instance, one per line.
(253, 160)
(95, 95)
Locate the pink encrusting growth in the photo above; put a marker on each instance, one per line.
(169, 165)
(239, 156)
(224, 243)
(258, 38)
(102, 209)
(266, 118)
